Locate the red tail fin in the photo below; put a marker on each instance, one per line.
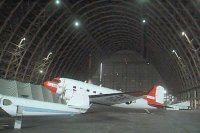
(156, 96)
(152, 92)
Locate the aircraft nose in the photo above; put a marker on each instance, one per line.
(45, 83)
(50, 86)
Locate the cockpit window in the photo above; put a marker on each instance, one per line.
(6, 102)
(56, 80)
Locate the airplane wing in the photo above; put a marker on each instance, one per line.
(79, 103)
(116, 98)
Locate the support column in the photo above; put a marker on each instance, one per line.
(198, 98)
(195, 99)
(18, 118)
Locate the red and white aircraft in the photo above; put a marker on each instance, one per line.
(106, 96)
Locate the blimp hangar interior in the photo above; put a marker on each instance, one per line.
(125, 45)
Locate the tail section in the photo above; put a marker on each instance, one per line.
(156, 96)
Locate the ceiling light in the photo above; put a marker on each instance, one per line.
(57, 2)
(41, 71)
(183, 33)
(76, 23)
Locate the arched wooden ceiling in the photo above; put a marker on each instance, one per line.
(106, 26)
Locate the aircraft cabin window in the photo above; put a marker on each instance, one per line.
(6, 102)
(74, 87)
(94, 91)
(88, 90)
(129, 102)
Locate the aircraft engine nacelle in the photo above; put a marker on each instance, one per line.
(59, 89)
(69, 94)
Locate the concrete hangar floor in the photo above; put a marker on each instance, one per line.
(103, 119)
